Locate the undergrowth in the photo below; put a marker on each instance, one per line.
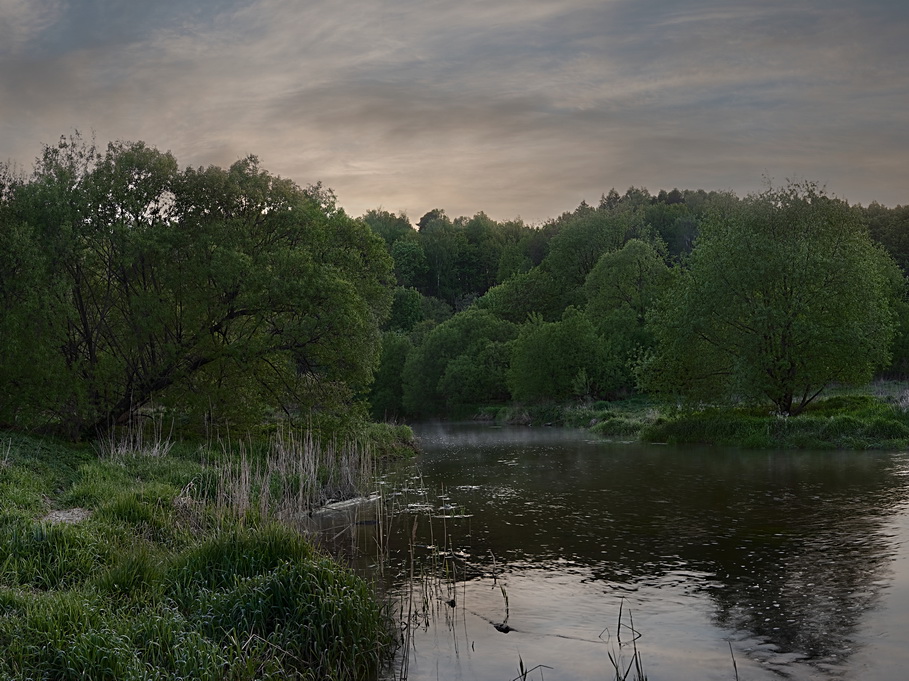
(847, 421)
(127, 564)
(873, 417)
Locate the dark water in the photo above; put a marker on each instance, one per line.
(798, 559)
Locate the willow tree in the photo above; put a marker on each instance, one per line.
(785, 295)
(219, 290)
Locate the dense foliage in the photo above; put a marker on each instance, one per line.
(231, 295)
(126, 282)
(570, 297)
(765, 299)
(785, 295)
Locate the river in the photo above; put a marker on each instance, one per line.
(553, 547)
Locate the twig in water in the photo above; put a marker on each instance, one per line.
(618, 629)
(734, 666)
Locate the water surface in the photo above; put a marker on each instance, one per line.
(796, 559)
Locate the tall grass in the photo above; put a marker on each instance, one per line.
(293, 475)
(157, 581)
(147, 438)
(212, 611)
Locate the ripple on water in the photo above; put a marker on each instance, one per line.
(784, 554)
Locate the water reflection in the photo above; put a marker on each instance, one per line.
(785, 551)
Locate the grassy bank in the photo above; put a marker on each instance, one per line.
(172, 561)
(876, 417)
(838, 422)
(621, 419)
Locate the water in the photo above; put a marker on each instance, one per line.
(798, 561)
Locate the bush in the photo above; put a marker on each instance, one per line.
(321, 618)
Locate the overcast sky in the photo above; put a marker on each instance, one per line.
(513, 107)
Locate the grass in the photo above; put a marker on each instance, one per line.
(845, 421)
(390, 441)
(623, 418)
(873, 417)
(167, 575)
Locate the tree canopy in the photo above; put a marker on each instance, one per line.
(127, 281)
(785, 295)
(555, 360)
(458, 347)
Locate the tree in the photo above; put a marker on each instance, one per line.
(411, 267)
(486, 240)
(386, 393)
(535, 291)
(208, 289)
(443, 244)
(622, 287)
(554, 360)
(586, 235)
(431, 216)
(890, 226)
(785, 295)
(625, 283)
(476, 379)
(406, 310)
(389, 226)
(466, 335)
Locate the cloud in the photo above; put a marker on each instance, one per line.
(22, 21)
(511, 107)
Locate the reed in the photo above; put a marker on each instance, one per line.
(621, 668)
(293, 475)
(524, 672)
(430, 574)
(147, 437)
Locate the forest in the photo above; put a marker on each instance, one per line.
(232, 297)
(700, 297)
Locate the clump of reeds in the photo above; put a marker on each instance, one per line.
(293, 475)
(136, 438)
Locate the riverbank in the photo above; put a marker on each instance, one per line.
(132, 560)
(876, 417)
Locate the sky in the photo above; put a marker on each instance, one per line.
(517, 108)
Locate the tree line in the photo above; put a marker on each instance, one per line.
(700, 296)
(232, 296)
